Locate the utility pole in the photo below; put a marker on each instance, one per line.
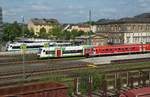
(89, 33)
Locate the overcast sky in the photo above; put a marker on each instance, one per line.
(72, 11)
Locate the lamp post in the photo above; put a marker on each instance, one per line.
(23, 47)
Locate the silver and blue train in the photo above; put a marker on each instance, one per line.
(33, 46)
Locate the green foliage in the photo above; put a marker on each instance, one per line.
(67, 34)
(84, 84)
(28, 34)
(15, 30)
(75, 33)
(57, 32)
(43, 33)
(97, 79)
(12, 31)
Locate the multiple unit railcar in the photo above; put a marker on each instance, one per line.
(54, 52)
(30, 46)
(33, 46)
(116, 49)
(88, 51)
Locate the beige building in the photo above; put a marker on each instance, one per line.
(36, 24)
(126, 30)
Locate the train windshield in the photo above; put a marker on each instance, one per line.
(40, 49)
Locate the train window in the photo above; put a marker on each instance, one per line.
(133, 47)
(106, 49)
(36, 46)
(16, 47)
(72, 51)
(52, 52)
(96, 50)
(119, 48)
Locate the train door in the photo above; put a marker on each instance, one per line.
(88, 52)
(58, 53)
(144, 47)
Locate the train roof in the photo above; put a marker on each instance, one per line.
(65, 47)
(126, 45)
(140, 92)
(18, 44)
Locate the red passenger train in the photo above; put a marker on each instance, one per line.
(117, 49)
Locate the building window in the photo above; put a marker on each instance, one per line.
(128, 39)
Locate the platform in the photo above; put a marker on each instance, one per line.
(109, 59)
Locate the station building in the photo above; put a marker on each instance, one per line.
(79, 27)
(132, 30)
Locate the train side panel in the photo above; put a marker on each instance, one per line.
(54, 52)
(73, 51)
(103, 50)
(147, 47)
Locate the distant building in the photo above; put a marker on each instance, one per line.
(126, 30)
(36, 25)
(1, 22)
(94, 28)
(95, 39)
(79, 27)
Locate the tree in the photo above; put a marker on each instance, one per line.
(42, 33)
(75, 33)
(67, 34)
(12, 31)
(57, 32)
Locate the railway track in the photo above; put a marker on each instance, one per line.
(29, 62)
(64, 69)
(12, 70)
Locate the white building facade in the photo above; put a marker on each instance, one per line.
(137, 38)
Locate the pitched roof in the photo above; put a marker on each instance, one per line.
(140, 92)
(142, 18)
(37, 21)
